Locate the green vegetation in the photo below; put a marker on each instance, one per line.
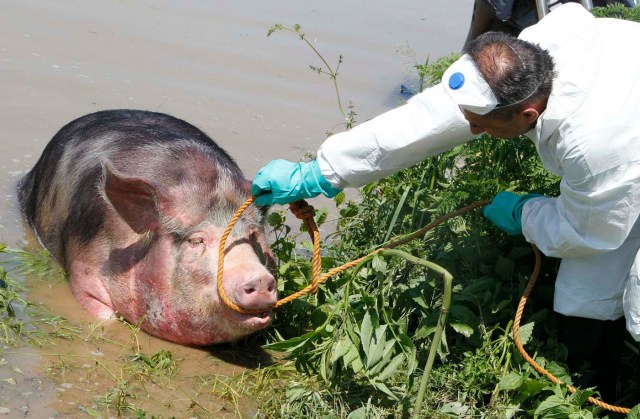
(22, 322)
(366, 335)
(618, 11)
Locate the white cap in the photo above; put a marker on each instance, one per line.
(468, 88)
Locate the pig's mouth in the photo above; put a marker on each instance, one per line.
(253, 321)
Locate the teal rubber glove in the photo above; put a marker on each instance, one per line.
(282, 182)
(505, 211)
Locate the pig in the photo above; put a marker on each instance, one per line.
(133, 204)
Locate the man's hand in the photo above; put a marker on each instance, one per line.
(282, 182)
(505, 211)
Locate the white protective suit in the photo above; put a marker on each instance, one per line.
(589, 134)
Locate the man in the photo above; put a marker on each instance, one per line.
(571, 86)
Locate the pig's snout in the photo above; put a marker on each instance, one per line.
(257, 292)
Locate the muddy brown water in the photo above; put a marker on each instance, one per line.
(210, 63)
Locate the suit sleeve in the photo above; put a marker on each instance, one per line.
(430, 123)
(589, 217)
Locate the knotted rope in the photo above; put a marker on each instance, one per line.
(305, 212)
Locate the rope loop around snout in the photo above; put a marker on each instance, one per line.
(302, 211)
(305, 212)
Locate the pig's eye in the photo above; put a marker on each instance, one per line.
(196, 241)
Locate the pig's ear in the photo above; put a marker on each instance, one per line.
(133, 199)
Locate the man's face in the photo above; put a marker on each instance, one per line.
(500, 128)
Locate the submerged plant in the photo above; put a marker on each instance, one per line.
(23, 322)
(349, 117)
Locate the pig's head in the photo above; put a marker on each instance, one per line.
(164, 243)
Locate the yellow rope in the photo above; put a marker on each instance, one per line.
(529, 359)
(305, 212)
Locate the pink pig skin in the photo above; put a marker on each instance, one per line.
(133, 205)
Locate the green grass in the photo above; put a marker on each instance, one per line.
(22, 322)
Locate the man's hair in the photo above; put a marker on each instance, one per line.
(518, 72)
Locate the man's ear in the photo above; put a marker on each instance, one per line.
(532, 110)
(530, 115)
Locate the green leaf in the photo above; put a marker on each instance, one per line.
(580, 396)
(634, 413)
(383, 387)
(351, 355)
(426, 328)
(284, 268)
(359, 413)
(323, 366)
(366, 332)
(553, 407)
(275, 219)
(525, 332)
(480, 285)
(320, 216)
(387, 352)
(319, 316)
(396, 213)
(356, 365)
(291, 344)
(464, 329)
(462, 314)
(349, 327)
(391, 368)
(531, 387)
(559, 371)
(496, 308)
(511, 381)
(511, 410)
(295, 393)
(455, 408)
(379, 264)
(376, 348)
(341, 348)
(419, 300)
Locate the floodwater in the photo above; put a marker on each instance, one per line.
(212, 64)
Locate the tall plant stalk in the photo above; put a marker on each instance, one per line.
(330, 71)
(447, 280)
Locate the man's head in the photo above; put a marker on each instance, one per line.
(515, 79)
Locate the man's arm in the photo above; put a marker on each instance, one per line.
(429, 124)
